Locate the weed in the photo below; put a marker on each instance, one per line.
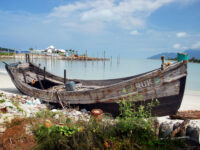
(45, 114)
(2, 101)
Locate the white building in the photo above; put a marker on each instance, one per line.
(50, 49)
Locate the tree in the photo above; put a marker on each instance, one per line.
(31, 49)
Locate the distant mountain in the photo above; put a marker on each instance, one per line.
(191, 53)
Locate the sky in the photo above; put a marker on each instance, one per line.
(125, 28)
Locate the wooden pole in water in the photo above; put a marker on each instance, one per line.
(65, 76)
(44, 73)
(28, 58)
(14, 53)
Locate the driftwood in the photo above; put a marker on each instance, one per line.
(177, 130)
(189, 114)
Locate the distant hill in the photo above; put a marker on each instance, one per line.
(191, 53)
(6, 50)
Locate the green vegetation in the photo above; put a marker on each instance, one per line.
(31, 49)
(2, 101)
(6, 53)
(133, 129)
(53, 137)
(193, 59)
(71, 52)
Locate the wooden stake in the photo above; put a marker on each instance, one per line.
(28, 57)
(64, 76)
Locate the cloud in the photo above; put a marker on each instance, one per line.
(126, 14)
(181, 34)
(134, 32)
(177, 46)
(196, 45)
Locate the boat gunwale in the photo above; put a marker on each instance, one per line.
(143, 76)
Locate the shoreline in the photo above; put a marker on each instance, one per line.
(191, 99)
(60, 57)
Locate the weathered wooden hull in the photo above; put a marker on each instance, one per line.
(168, 105)
(165, 85)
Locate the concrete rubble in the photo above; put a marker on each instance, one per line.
(191, 130)
(14, 105)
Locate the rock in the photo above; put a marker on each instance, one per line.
(84, 110)
(56, 116)
(165, 129)
(193, 133)
(37, 101)
(54, 110)
(2, 128)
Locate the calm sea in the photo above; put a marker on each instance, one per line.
(109, 69)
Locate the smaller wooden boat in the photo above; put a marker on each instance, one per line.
(166, 84)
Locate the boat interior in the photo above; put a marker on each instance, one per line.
(38, 78)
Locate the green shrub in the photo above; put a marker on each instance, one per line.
(45, 114)
(6, 54)
(132, 129)
(54, 137)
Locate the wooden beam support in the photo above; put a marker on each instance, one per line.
(24, 76)
(44, 73)
(59, 101)
(42, 87)
(163, 62)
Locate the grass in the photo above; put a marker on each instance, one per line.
(6, 54)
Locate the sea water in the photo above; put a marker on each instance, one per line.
(108, 69)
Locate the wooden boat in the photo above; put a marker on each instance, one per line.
(166, 84)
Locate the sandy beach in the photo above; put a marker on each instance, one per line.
(191, 99)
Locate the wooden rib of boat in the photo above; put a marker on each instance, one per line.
(166, 84)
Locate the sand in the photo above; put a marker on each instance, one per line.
(191, 99)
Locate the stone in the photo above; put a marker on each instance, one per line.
(84, 110)
(165, 129)
(193, 133)
(54, 110)
(56, 116)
